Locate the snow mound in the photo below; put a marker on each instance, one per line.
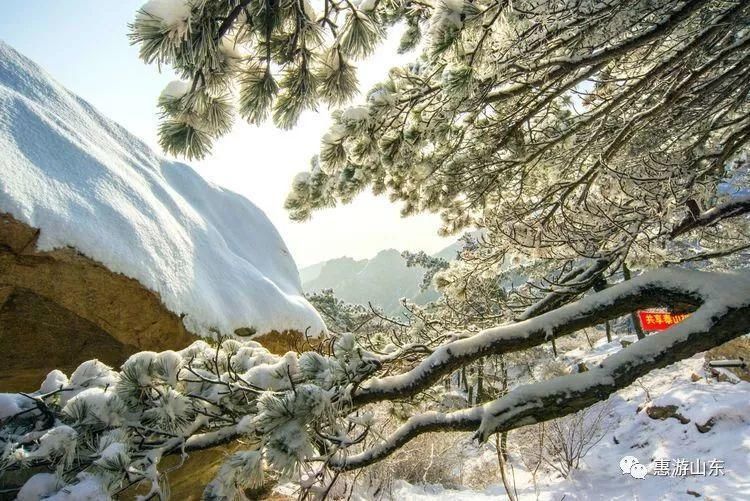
(88, 183)
(670, 441)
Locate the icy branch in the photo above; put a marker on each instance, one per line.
(735, 207)
(723, 315)
(658, 288)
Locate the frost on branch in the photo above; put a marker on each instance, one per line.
(579, 132)
(302, 414)
(285, 58)
(562, 137)
(118, 425)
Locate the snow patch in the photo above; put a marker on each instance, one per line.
(13, 403)
(636, 434)
(38, 487)
(87, 183)
(170, 12)
(176, 89)
(55, 380)
(88, 489)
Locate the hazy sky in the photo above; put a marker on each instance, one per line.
(84, 45)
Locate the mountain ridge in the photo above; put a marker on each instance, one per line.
(381, 280)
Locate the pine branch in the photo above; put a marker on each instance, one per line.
(658, 288)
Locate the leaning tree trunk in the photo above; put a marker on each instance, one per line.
(722, 314)
(501, 444)
(501, 440)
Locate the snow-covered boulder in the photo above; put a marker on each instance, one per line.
(87, 183)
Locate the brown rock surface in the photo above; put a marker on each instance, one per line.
(734, 349)
(60, 308)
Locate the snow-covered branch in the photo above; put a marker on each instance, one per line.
(296, 410)
(735, 207)
(658, 288)
(722, 315)
(573, 283)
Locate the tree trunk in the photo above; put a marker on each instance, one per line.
(633, 316)
(554, 347)
(501, 445)
(501, 439)
(480, 382)
(608, 330)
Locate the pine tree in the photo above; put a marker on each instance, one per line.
(566, 131)
(580, 136)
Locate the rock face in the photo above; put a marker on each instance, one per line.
(59, 308)
(107, 248)
(211, 255)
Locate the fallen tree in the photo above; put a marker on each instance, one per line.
(722, 312)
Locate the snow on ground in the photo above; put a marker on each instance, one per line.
(634, 433)
(88, 183)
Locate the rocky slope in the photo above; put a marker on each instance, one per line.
(107, 248)
(58, 308)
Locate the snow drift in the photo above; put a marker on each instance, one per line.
(88, 183)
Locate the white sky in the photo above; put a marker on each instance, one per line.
(83, 44)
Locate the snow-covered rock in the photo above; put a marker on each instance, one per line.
(88, 183)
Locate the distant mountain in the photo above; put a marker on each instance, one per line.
(311, 272)
(382, 280)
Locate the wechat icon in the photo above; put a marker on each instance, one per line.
(631, 465)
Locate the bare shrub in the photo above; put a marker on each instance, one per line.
(561, 444)
(429, 459)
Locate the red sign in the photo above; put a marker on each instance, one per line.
(659, 320)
